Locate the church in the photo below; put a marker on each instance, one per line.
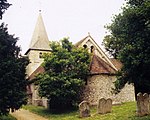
(102, 70)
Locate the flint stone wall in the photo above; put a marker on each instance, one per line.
(100, 86)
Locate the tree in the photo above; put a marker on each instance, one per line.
(12, 69)
(3, 6)
(111, 48)
(66, 69)
(129, 42)
(12, 73)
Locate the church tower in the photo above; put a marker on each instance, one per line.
(39, 44)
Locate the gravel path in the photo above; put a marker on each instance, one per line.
(26, 115)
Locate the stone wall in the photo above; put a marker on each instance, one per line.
(35, 57)
(99, 86)
(35, 99)
(35, 61)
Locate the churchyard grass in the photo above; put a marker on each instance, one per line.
(9, 117)
(126, 111)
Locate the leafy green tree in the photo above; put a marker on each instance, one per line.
(111, 48)
(3, 6)
(12, 69)
(66, 69)
(129, 42)
(12, 73)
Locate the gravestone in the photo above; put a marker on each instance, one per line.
(101, 106)
(84, 109)
(146, 103)
(108, 105)
(104, 106)
(143, 104)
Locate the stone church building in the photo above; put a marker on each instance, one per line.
(102, 69)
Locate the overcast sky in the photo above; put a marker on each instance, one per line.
(62, 18)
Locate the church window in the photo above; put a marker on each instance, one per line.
(85, 46)
(92, 49)
(40, 55)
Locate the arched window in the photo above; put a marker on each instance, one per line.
(92, 49)
(85, 46)
(40, 55)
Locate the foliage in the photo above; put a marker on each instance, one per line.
(12, 73)
(3, 6)
(111, 48)
(126, 111)
(66, 69)
(8, 117)
(129, 42)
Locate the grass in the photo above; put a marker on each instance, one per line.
(9, 117)
(126, 111)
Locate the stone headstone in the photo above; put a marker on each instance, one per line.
(143, 104)
(139, 104)
(101, 106)
(84, 109)
(108, 105)
(104, 106)
(146, 103)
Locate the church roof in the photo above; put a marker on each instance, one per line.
(40, 69)
(39, 39)
(99, 49)
(99, 66)
(79, 42)
(117, 63)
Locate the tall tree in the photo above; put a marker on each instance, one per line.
(66, 69)
(12, 69)
(129, 42)
(12, 73)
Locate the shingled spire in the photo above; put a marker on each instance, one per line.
(39, 39)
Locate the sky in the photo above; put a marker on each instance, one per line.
(62, 18)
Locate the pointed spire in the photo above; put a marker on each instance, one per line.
(39, 38)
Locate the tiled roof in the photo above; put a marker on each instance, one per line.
(40, 69)
(117, 63)
(99, 66)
